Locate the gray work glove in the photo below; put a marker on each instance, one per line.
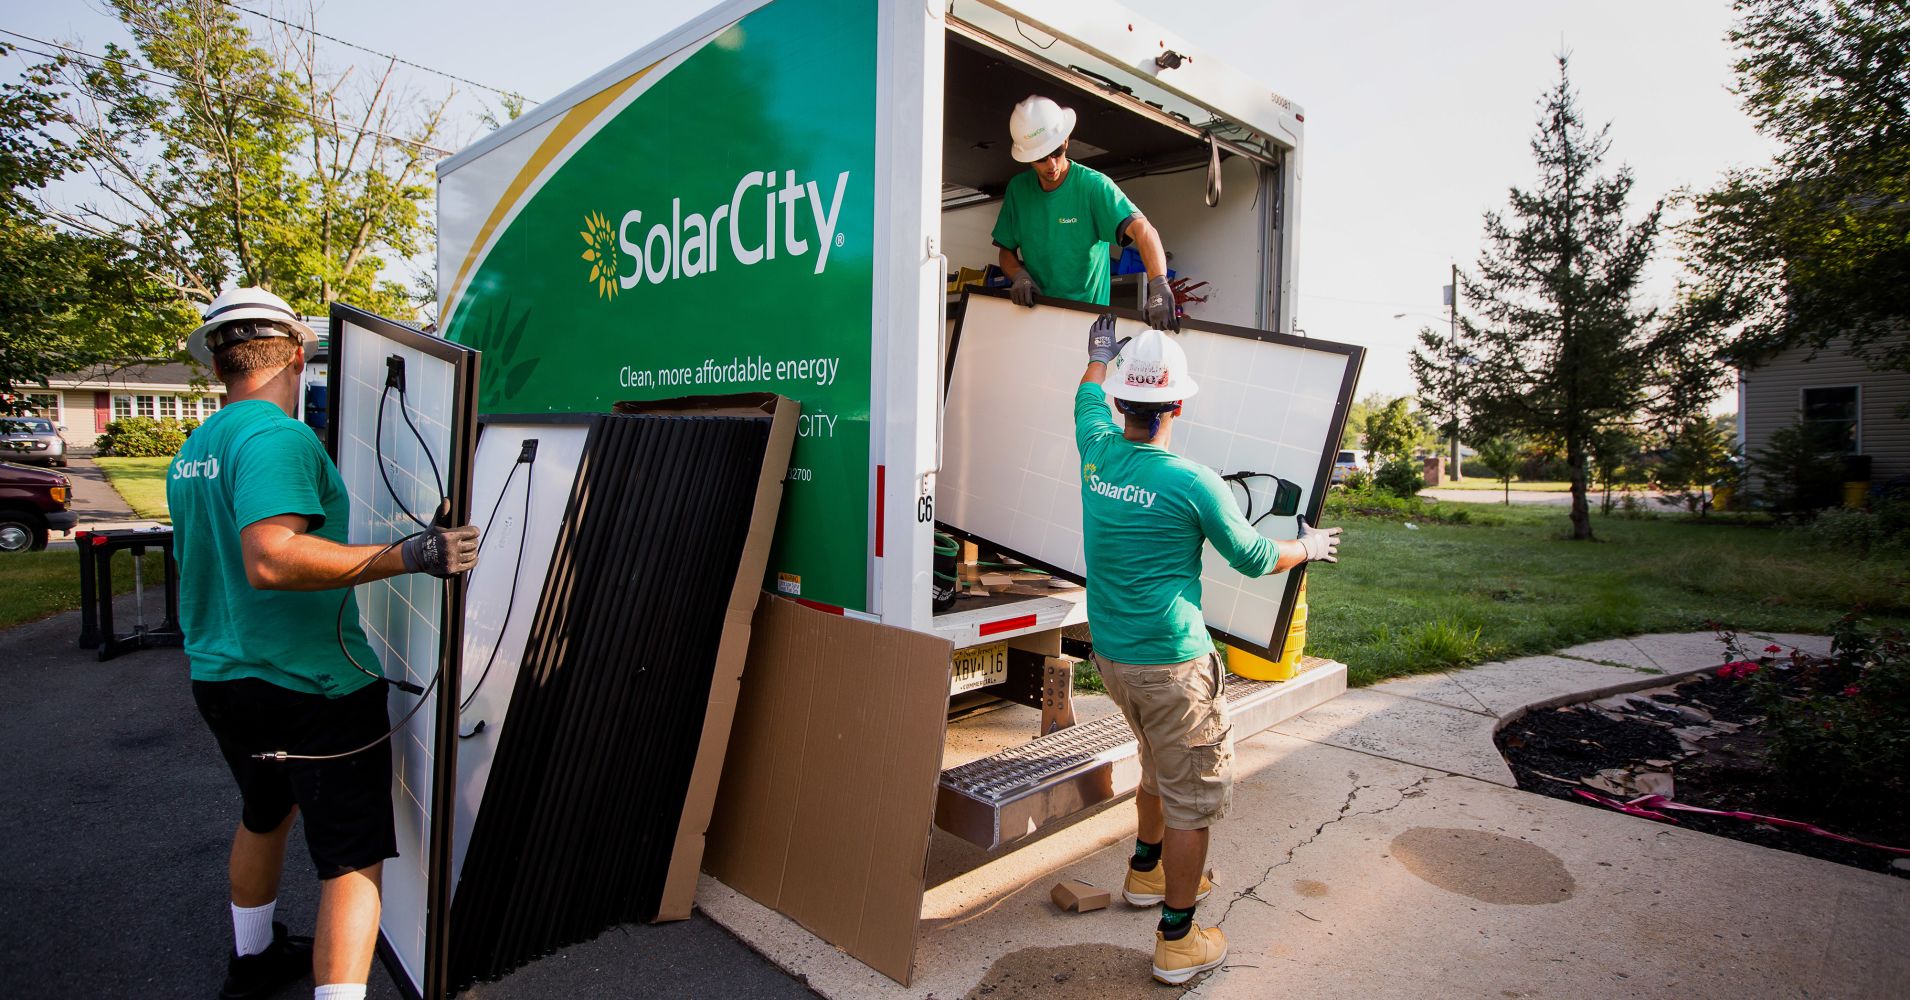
(1102, 346)
(1024, 290)
(441, 552)
(1159, 307)
(1322, 544)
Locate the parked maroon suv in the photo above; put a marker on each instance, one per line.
(32, 501)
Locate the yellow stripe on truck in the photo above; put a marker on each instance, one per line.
(573, 122)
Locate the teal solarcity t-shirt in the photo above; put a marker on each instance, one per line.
(248, 462)
(1063, 235)
(1145, 512)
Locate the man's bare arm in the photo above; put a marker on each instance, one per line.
(280, 554)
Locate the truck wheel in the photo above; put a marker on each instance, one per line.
(20, 533)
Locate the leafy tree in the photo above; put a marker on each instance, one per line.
(68, 300)
(1562, 351)
(1501, 456)
(226, 161)
(1698, 457)
(1816, 246)
(1616, 461)
(1391, 433)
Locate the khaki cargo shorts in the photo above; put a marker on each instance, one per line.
(1187, 743)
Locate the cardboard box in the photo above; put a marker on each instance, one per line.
(1076, 896)
(828, 793)
(686, 857)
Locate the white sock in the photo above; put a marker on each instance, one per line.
(340, 991)
(252, 928)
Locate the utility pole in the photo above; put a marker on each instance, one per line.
(1452, 367)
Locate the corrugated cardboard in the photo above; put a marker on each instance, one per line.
(679, 889)
(828, 791)
(1076, 896)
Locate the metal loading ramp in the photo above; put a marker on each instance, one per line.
(1048, 781)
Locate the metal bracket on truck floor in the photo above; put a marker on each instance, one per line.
(1057, 694)
(1047, 781)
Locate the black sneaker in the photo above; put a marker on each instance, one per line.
(253, 977)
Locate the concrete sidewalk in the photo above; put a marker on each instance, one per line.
(1376, 848)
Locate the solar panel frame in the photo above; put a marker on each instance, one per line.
(459, 443)
(1351, 357)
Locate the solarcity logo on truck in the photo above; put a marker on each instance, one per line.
(687, 244)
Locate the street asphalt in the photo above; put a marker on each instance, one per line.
(113, 838)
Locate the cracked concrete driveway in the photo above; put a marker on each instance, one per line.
(1367, 859)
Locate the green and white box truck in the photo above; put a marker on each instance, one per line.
(774, 197)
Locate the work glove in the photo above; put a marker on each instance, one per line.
(1024, 290)
(1321, 544)
(1159, 307)
(441, 552)
(1102, 346)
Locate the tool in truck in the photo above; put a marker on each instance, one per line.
(1148, 513)
(1057, 220)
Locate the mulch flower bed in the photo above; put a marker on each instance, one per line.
(1699, 742)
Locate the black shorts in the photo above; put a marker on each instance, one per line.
(346, 802)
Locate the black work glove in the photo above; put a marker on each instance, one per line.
(441, 552)
(1024, 290)
(1159, 307)
(1102, 346)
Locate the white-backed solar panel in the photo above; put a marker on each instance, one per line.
(529, 499)
(1011, 474)
(391, 467)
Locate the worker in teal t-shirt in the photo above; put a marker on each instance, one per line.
(1146, 516)
(259, 519)
(1058, 219)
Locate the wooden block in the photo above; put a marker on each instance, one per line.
(1076, 896)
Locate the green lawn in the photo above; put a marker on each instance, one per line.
(142, 481)
(1482, 483)
(37, 584)
(1405, 601)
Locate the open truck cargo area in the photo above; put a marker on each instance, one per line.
(796, 197)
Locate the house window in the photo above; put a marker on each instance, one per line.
(122, 407)
(208, 405)
(45, 404)
(169, 407)
(1831, 418)
(146, 406)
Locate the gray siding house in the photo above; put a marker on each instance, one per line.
(1839, 395)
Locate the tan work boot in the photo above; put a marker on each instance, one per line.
(1150, 888)
(1176, 962)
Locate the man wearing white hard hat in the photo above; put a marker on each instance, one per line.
(1058, 219)
(259, 526)
(1146, 515)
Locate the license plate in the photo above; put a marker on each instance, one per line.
(979, 666)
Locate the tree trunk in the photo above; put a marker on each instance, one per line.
(1581, 511)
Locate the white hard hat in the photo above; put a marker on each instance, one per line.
(1038, 126)
(239, 304)
(1151, 369)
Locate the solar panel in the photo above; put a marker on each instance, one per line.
(520, 483)
(402, 428)
(1270, 408)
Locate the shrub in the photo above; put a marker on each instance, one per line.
(1885, 527)
(145, 437)
(1374, 502)
(1838, 726)
(1400, 478)
(1357, 480)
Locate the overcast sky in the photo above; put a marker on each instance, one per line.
(1418, 115)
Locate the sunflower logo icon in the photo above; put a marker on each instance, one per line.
(600, 250)
(1088, 470)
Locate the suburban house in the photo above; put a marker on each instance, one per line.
(1840, 396)
(83, 403)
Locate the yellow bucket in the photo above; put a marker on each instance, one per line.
(1856, 494)
(1259, 668)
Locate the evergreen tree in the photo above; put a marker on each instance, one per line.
(1561, 350)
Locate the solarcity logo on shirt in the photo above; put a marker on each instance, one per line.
(684, 242)
(205, 468)
(1126, 494)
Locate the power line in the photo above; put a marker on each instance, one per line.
(183, 82)
(382, 55)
